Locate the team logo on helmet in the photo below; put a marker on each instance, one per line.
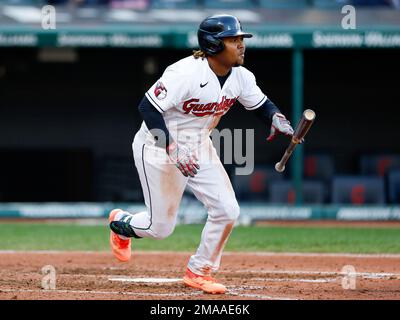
(160, 91)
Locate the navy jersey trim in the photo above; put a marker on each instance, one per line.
(258, 104)
(154, 103)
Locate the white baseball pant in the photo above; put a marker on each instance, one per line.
(163, 186)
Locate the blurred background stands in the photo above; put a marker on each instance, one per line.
(211, 4)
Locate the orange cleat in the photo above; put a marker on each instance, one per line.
(120, 248)
(205, 283)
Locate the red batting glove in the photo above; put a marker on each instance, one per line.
(280, 125)
(183, 159)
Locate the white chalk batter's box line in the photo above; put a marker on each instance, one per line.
(232, 290)
(175, 280)
(179, 280)
(366, 275)
(125, 293)
(318, 280)
(247, 287)
(145, 294)
(336, 275)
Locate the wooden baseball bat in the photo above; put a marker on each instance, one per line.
(302, 128)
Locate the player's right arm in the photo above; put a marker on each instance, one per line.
(180, 155)
(165, 94)
(269, 113)
(154, 121)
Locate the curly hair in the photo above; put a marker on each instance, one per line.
(199, 54)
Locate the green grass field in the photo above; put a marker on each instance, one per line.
(40, 236)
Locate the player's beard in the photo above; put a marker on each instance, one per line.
(239, 64)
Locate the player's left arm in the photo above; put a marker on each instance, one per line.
(269, 114)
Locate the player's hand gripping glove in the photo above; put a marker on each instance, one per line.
(184, 160)
(280, 124)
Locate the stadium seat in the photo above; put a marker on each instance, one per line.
(319, 166)
(283, 4)
(283, 192)
(228, 4)
(379, 164)
(255, 186)
(394, 186)
(174, 4)
(358, 190)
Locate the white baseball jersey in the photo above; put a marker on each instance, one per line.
(191, 99)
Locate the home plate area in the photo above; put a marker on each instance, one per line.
(158, 276)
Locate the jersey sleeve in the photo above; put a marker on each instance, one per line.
(168, 91)
(251, 96)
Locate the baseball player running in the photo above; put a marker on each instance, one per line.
(173, 148)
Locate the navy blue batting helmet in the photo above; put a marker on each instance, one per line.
(214, 28)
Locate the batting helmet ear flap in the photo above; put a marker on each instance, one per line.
(214, 45)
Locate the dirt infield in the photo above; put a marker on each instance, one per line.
(156, 275)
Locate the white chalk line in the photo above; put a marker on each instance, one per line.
(146, 280)
(145, 294)
(337, 276)
(263, 297)
(104, 292)
(319, 280)
(365, 275)
(232, 290)
(228, 253)
(175, 280)
(368, 275)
